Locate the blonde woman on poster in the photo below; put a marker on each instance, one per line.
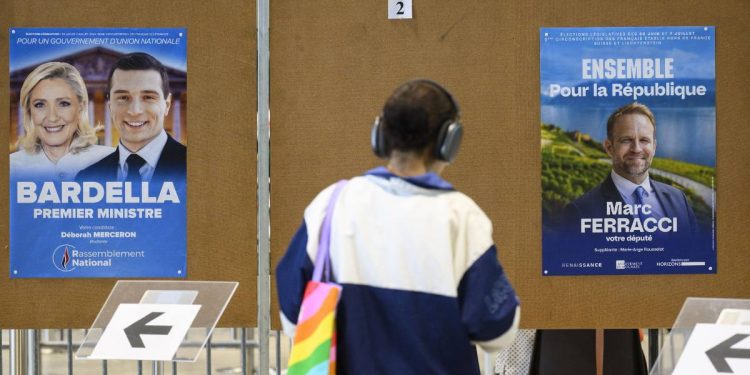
(58, 139)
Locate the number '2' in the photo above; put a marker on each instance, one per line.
(400, 7)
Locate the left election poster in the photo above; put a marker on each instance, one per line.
(98, 152)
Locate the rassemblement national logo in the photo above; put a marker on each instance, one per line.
(67, 258)
(61, 258)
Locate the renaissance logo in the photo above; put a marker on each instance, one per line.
(61, 258)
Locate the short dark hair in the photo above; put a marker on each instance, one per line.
(414, 113)
(140, 61)
(627, 109)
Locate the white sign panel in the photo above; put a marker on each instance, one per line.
(716, 349)
(399, 9)
(145, 332)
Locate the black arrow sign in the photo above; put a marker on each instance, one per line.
(135, 330)
(719, 353)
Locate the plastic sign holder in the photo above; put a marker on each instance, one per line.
(710, 336)
(156, 320)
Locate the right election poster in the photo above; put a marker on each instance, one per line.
(628, 142)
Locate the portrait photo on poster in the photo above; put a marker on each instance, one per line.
(98, 152)
(628, 143)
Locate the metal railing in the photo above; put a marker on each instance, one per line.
(228, 351)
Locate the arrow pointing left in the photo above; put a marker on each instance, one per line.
(719, 353)
(135, 330)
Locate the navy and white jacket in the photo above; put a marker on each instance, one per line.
(420, 276)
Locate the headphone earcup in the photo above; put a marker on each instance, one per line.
(377, 140)
(449, 141)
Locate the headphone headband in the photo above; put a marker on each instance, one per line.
(445, 92)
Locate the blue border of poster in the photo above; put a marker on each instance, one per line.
(63, 225)
(589, 226)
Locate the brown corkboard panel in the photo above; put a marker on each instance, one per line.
(334, 64)
(221, 204)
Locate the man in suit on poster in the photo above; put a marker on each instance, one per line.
(139, 101)
(631, 144)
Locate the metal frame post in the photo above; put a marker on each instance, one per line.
(208, 356)
(33, 348)
(264, 209)
(243, 351)
(157, 368)
(19, 356)
(70, 351)
(278, 352)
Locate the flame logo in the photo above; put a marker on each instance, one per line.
(65, 259)
(62, 258)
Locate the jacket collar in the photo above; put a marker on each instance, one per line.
(427, 180)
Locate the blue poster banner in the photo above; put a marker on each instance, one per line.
(98, 152)
(628, 142)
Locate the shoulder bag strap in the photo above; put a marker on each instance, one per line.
(323, 259)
